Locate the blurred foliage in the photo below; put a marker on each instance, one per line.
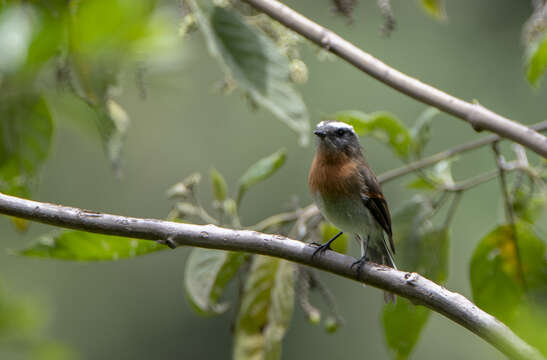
(61, 42)
(253, 61)
(26, 130)
(84, 246)
(22, 322)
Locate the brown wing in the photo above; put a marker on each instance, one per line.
(374, 201)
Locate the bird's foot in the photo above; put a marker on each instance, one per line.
(359, 264)
(321, 248)
(324, 247)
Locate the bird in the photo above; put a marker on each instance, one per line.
(349, 196)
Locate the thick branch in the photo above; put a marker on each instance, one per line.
(410, 285)
(478, 116)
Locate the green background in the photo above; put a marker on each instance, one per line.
(136, 309)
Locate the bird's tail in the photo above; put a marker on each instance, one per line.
(380, 254)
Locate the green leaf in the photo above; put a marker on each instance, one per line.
(381, 125)
(328, 231)
(422, 249)
(266, 309)
(518, 298)
(206, 275)
(255, 62)
(421, 131)
(435, 8)
(84, 246)
(259, 171)
(536, 59)
(403, 323)
(219, 185)
(25, 136)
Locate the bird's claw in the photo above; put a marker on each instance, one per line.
(321, 248)
(359, 263)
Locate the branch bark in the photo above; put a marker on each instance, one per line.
(479, 117)
(433, 159)
(409, 285)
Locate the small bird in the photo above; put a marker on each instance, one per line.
(349, 196)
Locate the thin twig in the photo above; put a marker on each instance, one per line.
(303, 292)
(409, 285)
(452, 209)
(433, 159)
(509, 213)
(479, 117)
(327, 296)
(474, 181)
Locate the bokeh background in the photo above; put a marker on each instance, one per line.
(136, 309)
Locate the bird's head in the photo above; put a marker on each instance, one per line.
(337, 138)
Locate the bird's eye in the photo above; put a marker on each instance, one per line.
(340, 132)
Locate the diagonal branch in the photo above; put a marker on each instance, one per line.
(410, 285)
(433, 159)
(476, 115)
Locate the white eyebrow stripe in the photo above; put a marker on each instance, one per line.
(335, 125)
(340, 125)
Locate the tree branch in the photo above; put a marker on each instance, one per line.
(410, 285)
(479, 117)
(433, 159)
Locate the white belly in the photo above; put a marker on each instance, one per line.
(349, 215)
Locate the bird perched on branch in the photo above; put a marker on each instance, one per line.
(349, 196)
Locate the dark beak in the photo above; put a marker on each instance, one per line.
(320, 133)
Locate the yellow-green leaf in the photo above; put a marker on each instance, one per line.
(261, 170)
(219, 185)
(536, 59)
(84, 246)
(435, 8)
